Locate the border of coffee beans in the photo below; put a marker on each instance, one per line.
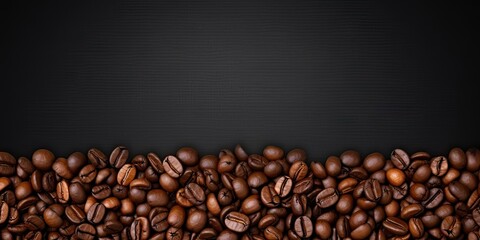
(235, 195)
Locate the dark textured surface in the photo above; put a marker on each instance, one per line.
(324, 75)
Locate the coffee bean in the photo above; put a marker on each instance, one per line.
(118, 157)
(97, 158)
(85, 231)
(237, 222)
(298, 171)
(451, 227)
(75, 214)
(53, 215)
(63, 193)
(439, 166)
(373, 190)
(176, 216)
(327, 197)
(400, 159)
(60, 167)
(303, 227)
(43, 159)
(283, 186)
(195, 193)
(34, 223)
(126, 174)
(3, 212)
(173, 166)
(96, 213)
(395, 177)
(395, 225)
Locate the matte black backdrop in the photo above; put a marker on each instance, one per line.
(323, 75)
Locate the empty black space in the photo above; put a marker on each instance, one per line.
(156, 75)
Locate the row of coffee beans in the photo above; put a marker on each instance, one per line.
(234, 195)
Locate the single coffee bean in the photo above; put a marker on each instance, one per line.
(75, 214)
(188, 156)
(60, 167)
(395, 225)
(439, 166)
(240, 153)
(296, 154)
(270, 197)
(173, 166)
(85, 231)
(111, 203)
(373, 190)
(374, 162)
(43, 159)
(273, 152)
(411, 210)
(34, 223)
(434, 199)
(155, 162)
(240, 188)
(63, 193)
(451, 227)
(298, 171)
(419, 192)
(49, 182)
(251, 204)
(4, 212)
(283, 186)
(88, 173)
(273, 169)
(395, 177)
(97, 158)
(457, 158)
(126, 174)
(23, 190)
(327, 197)
(303, 227)
(400, 159)
(176, 216)
(257, 179)
(53, 215)
(237, 222)
(460, 191)
(118, 157)
(473, 159)
(96, 213)
(196, 220)
(333, 166)
(7, 164)
(101, 192)
(195, 193)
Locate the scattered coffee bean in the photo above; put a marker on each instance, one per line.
(234, 195)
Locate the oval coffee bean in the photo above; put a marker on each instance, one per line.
(237, 222)
(173, 166)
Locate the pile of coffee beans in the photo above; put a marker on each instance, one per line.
(234, 195)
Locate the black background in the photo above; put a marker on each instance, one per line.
(323, 75)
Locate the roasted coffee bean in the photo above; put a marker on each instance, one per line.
(195, 193)
(7, 164)
(303, 227)
(118, 157)
(85, 231)
(439, 166)
(237, 222)
(400, 159)
(451, 227)
(126, 174)
(97, 158)
(372, 190)
(75, 214)
(4, 212)
(298, 171)
(42, 159)
(241, 196)
(53, 215)
(396, 226)
(327, 197)
(173, 166)
(61, 168)
(283, 186)
(96, 213)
